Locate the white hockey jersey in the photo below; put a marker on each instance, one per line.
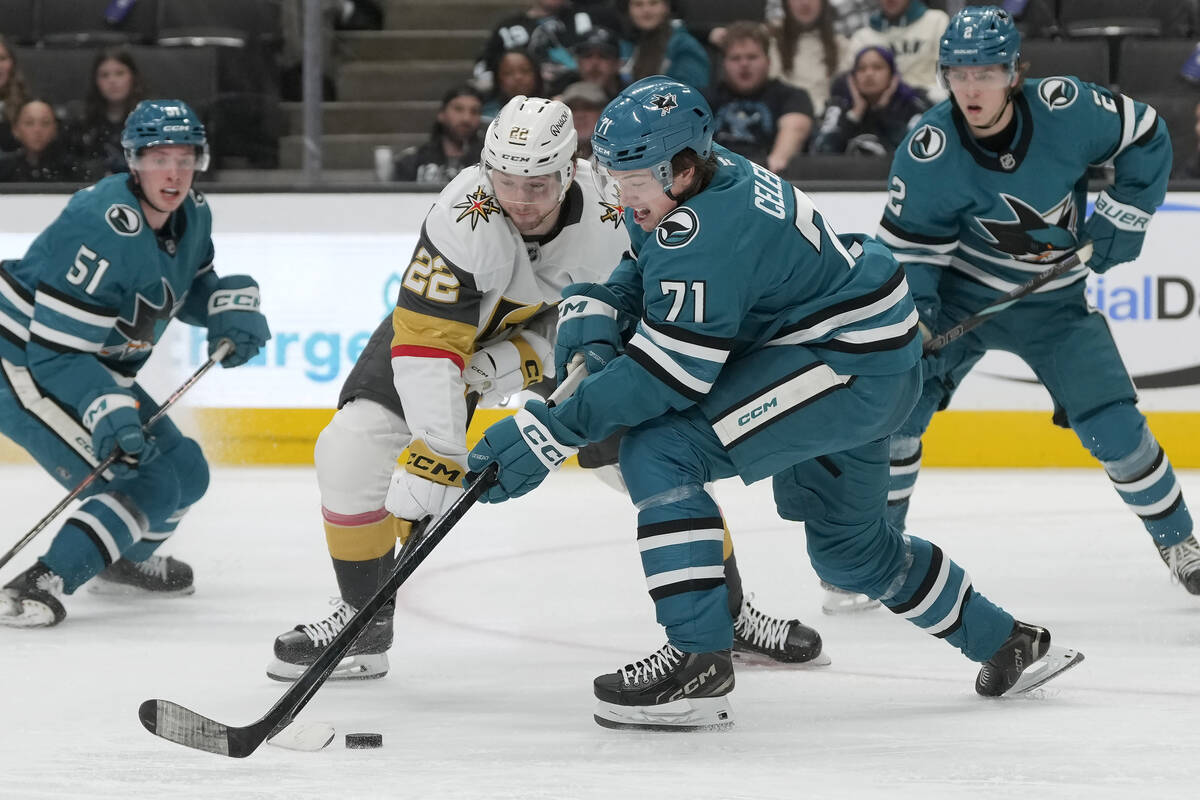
(473, 279)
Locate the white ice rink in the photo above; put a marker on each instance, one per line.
(501, 631)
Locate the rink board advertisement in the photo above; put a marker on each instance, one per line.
(329, 267)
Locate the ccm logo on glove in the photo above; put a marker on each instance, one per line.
(539, 440)
(424, 462)
(247, 299)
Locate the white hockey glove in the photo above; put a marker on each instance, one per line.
(428, 483)
(501, 370)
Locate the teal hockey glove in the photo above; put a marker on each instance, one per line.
(588, 323)
(112, 416)
(233, 314)
(527, 446)
(1116, 231)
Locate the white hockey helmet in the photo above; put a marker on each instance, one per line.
(532, 136)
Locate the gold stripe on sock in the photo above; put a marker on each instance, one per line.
(727, 548)
(361, 542)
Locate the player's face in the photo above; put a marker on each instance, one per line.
(981, 92)
(746, 66)
(114, 80)
(641, 194)
(165, 174)
(530, 202)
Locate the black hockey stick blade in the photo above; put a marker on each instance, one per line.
(1056, 270)
(175, 723)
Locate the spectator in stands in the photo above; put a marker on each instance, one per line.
(453, 145)
(871, 109)
(93, 133)
(755, 115)
(806, 51)
(586, 100)
(41, 155)
(564, 24)
(912, 30)
(1190, 168)
(851, 16)
(13, 95)
(598, 57)
(516, 73)
(662, 46)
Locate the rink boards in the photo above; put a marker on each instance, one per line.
(329, 266)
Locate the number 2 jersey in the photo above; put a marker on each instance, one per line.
(474, 280)
(997, 218)
(96, 290)
(747, 265)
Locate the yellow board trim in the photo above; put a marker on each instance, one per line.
(956, 438)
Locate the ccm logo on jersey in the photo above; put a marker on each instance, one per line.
(927, 143)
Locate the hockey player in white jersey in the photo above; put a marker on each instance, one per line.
(495, 251)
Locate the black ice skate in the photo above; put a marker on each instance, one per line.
(840, 601)
(762, 640)
(32, 599)
(157, 576)
(367, 657)
(1183, 559)
(668, 691)
(1025, 661)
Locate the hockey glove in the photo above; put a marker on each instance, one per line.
(1116, 231)
(428, 483)
(588, 323)
(112, 417)
(233, 314)
(500, 370)
(527, 446)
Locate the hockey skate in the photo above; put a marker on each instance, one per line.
(1025, 661)
(1183, 560)
(367, 657)
(840, 601)
(668, 691)
(32, 599)
(157, 576)
(762, 640)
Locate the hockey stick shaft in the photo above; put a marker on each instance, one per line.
(981, 316)
(223, 349)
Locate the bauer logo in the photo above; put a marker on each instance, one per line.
(927, 143)
(677, 228)
(1057, 93)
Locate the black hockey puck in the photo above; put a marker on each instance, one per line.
(363, 741)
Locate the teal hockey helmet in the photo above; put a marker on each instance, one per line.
(154, 123)
(648, 123)
(978, 36)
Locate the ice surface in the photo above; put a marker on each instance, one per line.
(501, 631)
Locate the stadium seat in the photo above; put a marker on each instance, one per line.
(1084, 58)
(1152, 65)
(828, 169)
(1124, 17)
(83, 23)
(1037, 20)
(225, 23)
(1178, 111)
(17, 21)
(705, 14)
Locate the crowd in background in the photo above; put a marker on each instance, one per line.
(804, 76)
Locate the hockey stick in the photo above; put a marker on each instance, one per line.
(981, 316)
(223, 349)
(175, 723)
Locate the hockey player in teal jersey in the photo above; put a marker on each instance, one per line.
(742, 336)
(79, 316)
(986, 191)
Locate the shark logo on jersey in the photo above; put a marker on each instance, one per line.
(123, 219)
(1057, 93)
(1035, 236)
(927, 143)
(612, 213)
(677, 228)
(140, 332)
(666, 103)
(478, 205)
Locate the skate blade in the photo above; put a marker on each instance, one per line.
(838, 602)
(1056, 661)
(694, 714)
(307, 737)
(105, 588)
(746, 658)
(362, 667)
(32, 615)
